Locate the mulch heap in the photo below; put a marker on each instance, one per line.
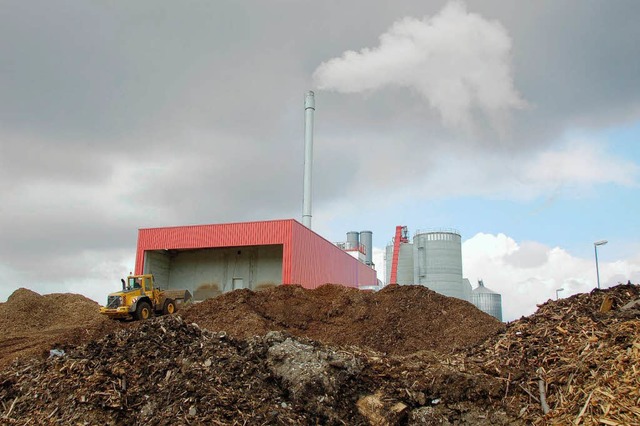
(167, 371)
(577, 359)
(397, 320)
(31, 324)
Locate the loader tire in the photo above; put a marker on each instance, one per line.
(169, 307)
(143, 311)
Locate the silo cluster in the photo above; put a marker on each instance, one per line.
(434, 259)
(360, 244)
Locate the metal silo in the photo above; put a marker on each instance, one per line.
(468, 290)
(405, 263)
(438, 262)
(487, 301)
(353, 240)
(366, 239)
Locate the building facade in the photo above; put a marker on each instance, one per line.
(212, 259)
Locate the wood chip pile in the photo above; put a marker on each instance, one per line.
(578, 359)
(398, 320)
(169, 372)
(31, 323)
(575, 361)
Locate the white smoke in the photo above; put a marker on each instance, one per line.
(456, 60)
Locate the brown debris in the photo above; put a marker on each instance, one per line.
(398, 320)
(403, 356)
(587, 360)
(607, 303)
(33, 324)
(164, 371)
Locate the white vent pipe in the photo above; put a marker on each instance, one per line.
(309, 109)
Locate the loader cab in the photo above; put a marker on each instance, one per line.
(135, 283)
(141, 283)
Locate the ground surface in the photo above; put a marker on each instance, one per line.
(334, 355)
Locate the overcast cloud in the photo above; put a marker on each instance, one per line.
(121, 115)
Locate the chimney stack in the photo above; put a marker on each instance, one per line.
(309, 109)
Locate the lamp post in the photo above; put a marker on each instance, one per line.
(558, 291)
(595, 248)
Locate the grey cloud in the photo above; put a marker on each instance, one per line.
(25, 159)
(575, 64)
(33, 230)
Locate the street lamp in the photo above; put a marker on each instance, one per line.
(558, 291)
(595, 248)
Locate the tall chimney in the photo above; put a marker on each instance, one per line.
(309, 109)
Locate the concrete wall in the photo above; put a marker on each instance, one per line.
(158, 263)
(210, 272)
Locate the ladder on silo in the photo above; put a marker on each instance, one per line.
(401, 237)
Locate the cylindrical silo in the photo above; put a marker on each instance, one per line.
(405, 263)
(487, 301)
(366, 239)
(466, 284)
(353, 240)
(438, 262)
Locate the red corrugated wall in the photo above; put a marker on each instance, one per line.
(316, 261)
(308, 259)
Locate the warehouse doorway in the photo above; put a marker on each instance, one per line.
(209, 272)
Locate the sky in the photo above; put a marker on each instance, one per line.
(516, 123)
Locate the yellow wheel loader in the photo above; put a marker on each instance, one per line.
(141, 299)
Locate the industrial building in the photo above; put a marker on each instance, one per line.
(209, 260)
(434, 259)
(212, 259)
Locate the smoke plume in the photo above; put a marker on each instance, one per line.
(456, 60)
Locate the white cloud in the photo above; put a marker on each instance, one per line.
(529, 273)
(538, 272)
(580, 162)
(458, 61)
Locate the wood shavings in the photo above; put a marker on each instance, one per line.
(589, 356)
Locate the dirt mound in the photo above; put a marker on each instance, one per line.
(32, 324)
(165, 371)
(397, 320)
(578, 355)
